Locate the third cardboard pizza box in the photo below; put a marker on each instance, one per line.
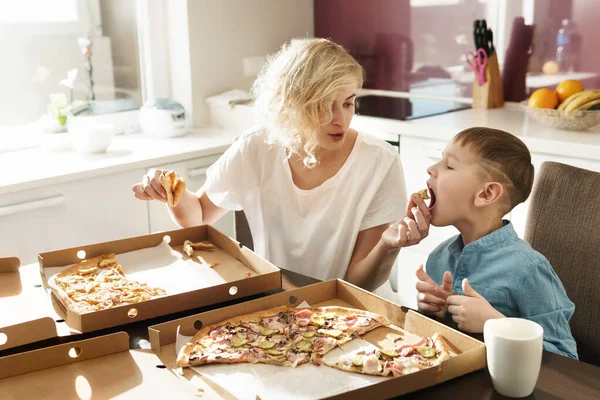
(113, 283)
(102, 367)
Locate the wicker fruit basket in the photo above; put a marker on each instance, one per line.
(577, 120)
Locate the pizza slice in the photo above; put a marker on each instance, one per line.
(367, 360)
(404, 360)
(326, 328)
(423, 194)
(174, 185)
(281, 336)
(260, 337)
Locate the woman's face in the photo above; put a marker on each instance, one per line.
(332, 134)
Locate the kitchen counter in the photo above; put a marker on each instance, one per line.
(511, 118)
(38, 167)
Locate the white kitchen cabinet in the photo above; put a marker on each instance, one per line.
(70, 214)
(194, 172)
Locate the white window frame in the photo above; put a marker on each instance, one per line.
(164, 48)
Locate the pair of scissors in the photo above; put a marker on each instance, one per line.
(478, 63)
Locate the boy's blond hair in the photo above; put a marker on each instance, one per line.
(295, 91)
(505, 158)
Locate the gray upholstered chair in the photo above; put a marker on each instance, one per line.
(563, 224)
(242, 230)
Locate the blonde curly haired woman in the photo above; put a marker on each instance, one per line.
(319, 196)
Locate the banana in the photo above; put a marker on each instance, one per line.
(568, 100)
(585, 97)
(589, 105)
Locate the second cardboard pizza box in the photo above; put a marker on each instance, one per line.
(22, 321)
(405, 323)
(240, 273)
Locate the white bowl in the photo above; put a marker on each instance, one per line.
(89, 137)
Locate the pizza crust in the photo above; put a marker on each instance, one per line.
(442, 346)
(174, 186)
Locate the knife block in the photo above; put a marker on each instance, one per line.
(490, 94)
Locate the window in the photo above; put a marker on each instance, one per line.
(38, 11)
(41, 43)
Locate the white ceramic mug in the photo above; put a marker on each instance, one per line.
(514, 354)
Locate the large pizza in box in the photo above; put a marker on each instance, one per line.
(291, 337)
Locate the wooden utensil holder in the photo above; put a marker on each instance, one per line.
(490, 94)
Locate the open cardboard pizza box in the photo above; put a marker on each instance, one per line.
(22, 320)
(158, 259)
(312, 381)
(98, 368)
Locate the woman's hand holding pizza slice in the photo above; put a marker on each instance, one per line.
(162, 185)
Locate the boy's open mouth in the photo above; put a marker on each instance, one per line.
(432, 195)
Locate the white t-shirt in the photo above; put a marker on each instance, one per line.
(311, 232)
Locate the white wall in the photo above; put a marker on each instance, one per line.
(224, 32)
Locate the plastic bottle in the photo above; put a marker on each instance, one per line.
(567, 46)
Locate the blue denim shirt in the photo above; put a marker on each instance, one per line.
(515, 279)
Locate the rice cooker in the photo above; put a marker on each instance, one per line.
(163, 118)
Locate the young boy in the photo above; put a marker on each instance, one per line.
(487, 271)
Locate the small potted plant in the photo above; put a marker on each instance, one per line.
(59, 109)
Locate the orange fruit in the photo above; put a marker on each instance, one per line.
(567, 88)
(550, 68)
(543, 98)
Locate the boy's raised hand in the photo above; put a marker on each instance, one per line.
(431, 298)
(471, 310)
(411, 229)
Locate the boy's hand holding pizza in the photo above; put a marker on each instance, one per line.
(413, 228)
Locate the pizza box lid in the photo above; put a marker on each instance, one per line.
(234, 260)
(471, 352)
(101, 367)
(21, 321)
